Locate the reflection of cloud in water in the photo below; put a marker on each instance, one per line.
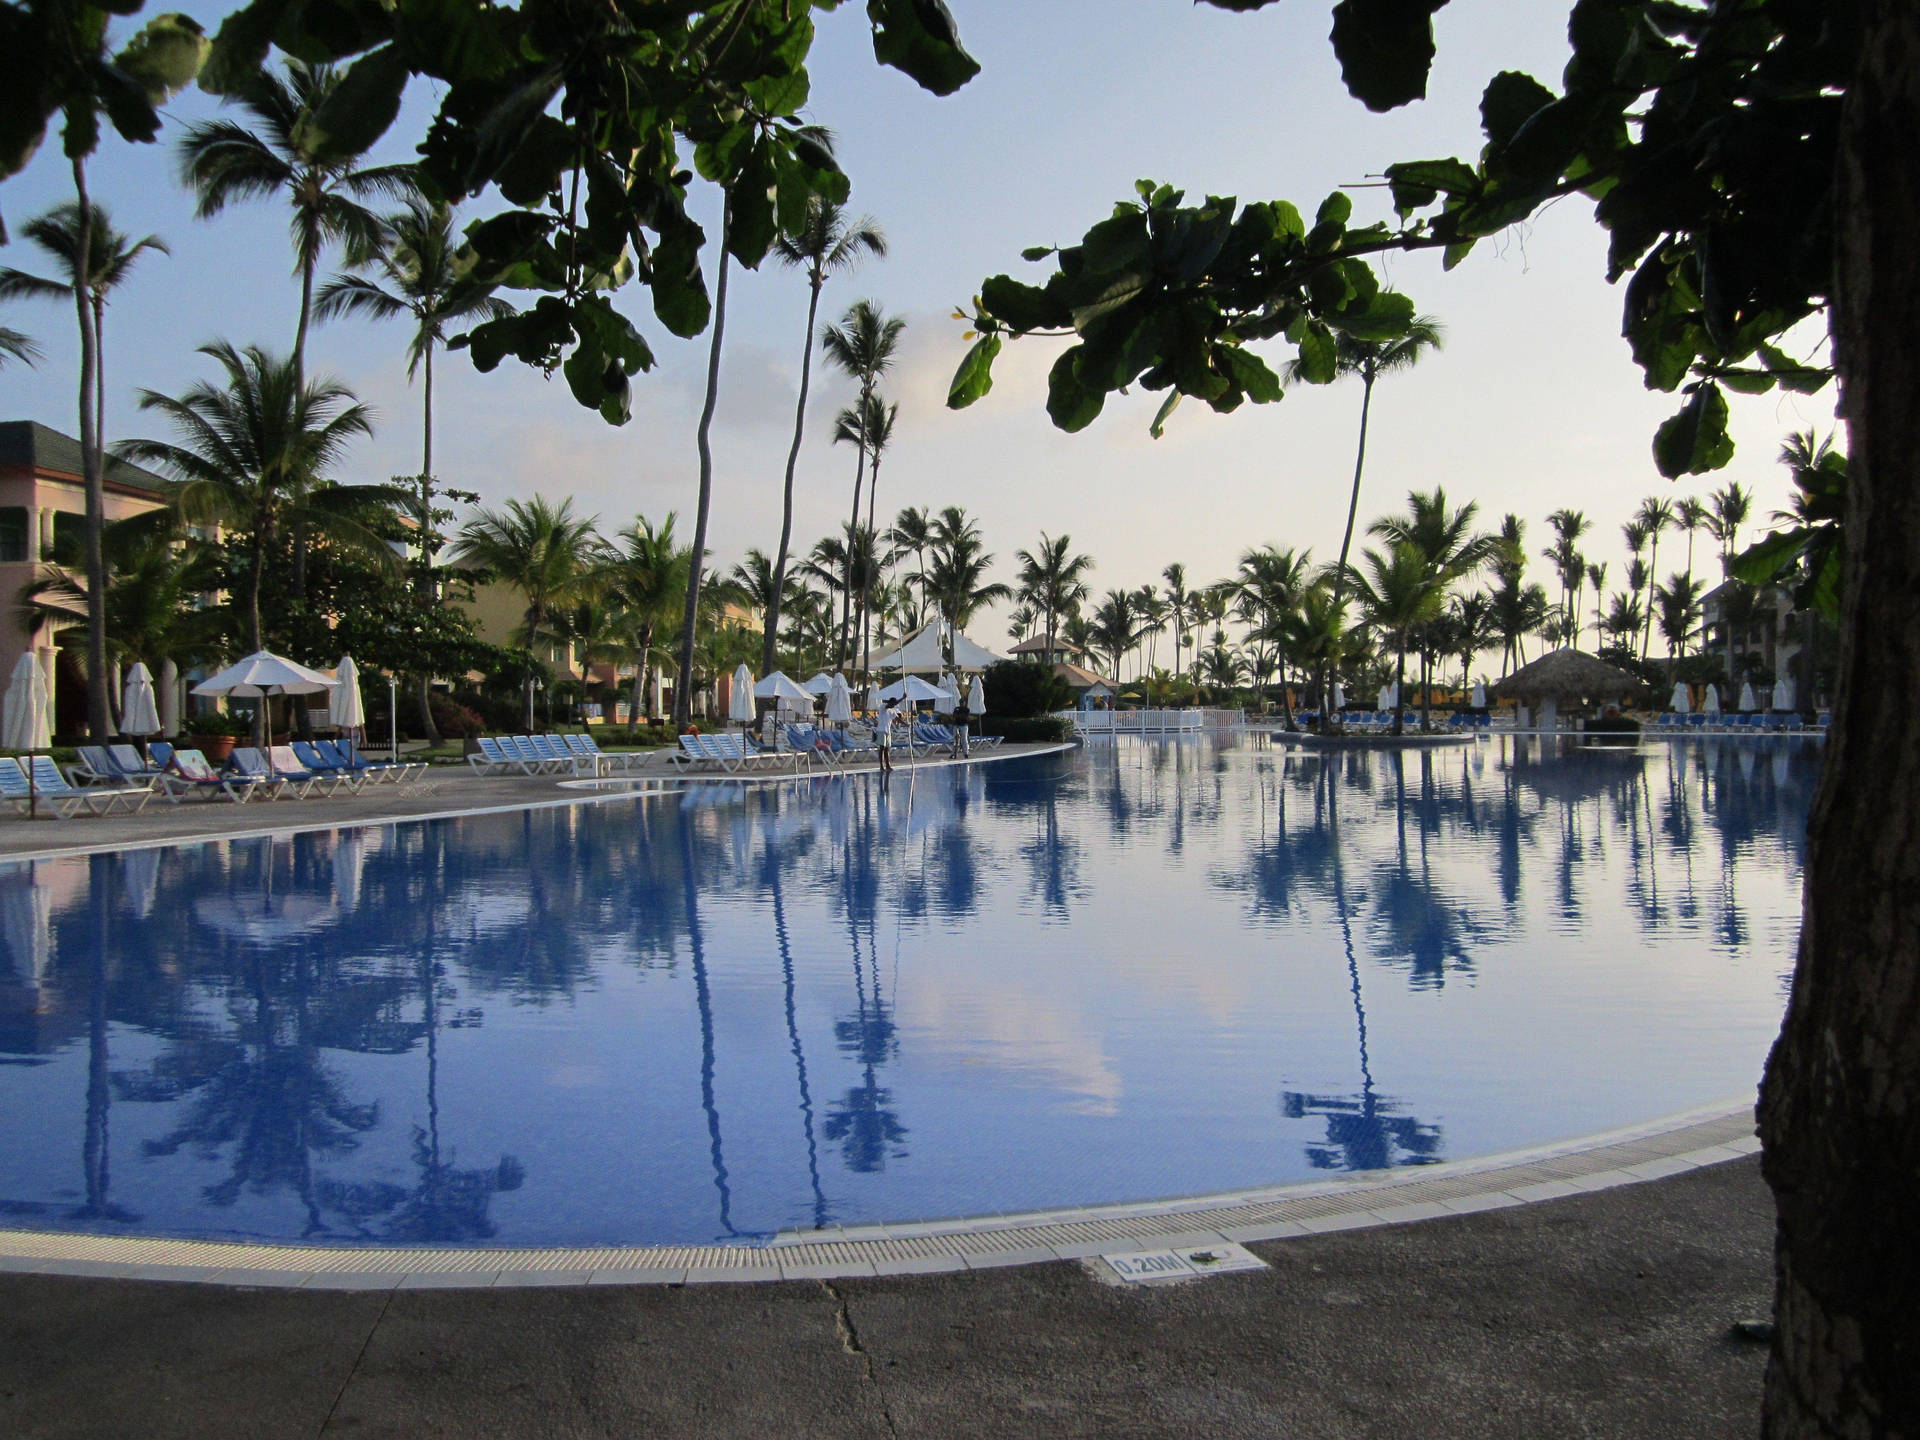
(1016, 1033)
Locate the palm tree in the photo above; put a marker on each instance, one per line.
(1370, 359)
(1114, 632)
(1597, 582)
(1472, 617)
(861, 347)
(1020, 623)
(253, 457)
(542, 550)
(1690, 515)
(1399, 593)
(1054, 580)
(1564, 554)
(17, 346)
(424, 285)
(1623, 619)
(703, 445)
(1679, 604)
(913, 531)
(1269, 587)
(956, 580)
(827, 244)
(1635, 533)
(645, 575)
(1178, 606)
(290, 155)
(95, 258)
(1731, 509)
(1655, 515)
(876, 423)
(752, 578)
(1445, 539)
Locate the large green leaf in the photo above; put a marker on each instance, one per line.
(920, 38)
(1248, 371)
(1071, 405)
(679, 289)
(1319, 356)
(754, 221)
(1510, 100)
(165, 56)
(1022, 307)
(1385, 49)
(1695, 441)
(359, 110)
(974, 378)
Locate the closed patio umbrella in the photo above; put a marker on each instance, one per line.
(1711, 706)
(26, 724)
(1479, 697)
(138, 713)
(977, 697)
(1682, 698)
(839, 702)
(1747, 702)
(1339, 696)
(740, 697)
(1783, 696)
(344, 709)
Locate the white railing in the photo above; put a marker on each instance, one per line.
(1154, 722)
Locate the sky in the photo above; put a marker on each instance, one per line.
(1534, 404)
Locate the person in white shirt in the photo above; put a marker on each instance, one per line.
(883, 737)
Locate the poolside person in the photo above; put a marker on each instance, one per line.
(883, 737)
(961, 718)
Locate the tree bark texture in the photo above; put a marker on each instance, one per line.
(92, 466)
(683, 684)
(1840, 1104)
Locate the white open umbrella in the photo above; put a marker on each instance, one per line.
(977, 697)
(913, 690)
(139, 715)
(1682, 698)
(344, 709)
(1712, 703)
(1783, 696)
(778, 687)
(1747, 702)
(740, 698)
(819, 685)
(26, 724)
(262, 674)
(839, 702)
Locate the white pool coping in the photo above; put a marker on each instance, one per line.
(1670, 1146)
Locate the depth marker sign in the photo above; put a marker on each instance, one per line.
(1143, 1267)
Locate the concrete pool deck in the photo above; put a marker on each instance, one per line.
(1596, 1314)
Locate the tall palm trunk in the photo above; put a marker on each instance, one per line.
(868, 565)
(1653, 571)
(771, 641)
(853, 525)
(428, 590)
(683, 687)
(1346, 539)
(99, 719)
(1399, 679)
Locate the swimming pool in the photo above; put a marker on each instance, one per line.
(1140, 969)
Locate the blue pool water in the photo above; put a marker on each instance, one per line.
(1137, 970)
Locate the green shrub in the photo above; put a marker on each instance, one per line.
(1017, 689)
(238, 724)
(1028, 729)
(453, 720)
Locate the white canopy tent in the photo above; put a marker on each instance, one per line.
(925, 652)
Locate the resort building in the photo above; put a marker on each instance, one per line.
(42, 503)
(1759, 635)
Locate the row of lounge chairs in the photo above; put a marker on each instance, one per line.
(1736, 723)
(546, 755)
(117, 778)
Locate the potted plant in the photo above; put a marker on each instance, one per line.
(214, 735)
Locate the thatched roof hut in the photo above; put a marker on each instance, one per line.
(1568, 677)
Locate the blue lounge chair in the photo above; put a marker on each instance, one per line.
(188, 773)
(302, 760)
(586, 748)
(344, 756)
(253, 764)
(95, 767)
(491, 758)
(137, 771)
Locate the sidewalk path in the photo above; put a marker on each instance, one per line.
(1603, 1314)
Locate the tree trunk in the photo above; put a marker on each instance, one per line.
(1399, 678)
(1346, 537)
(772, 640)
(1840, 1104)
(870, 564)
(99, 722)
(853, 526)
(683, 687)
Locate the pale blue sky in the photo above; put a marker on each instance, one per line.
(1533, 405)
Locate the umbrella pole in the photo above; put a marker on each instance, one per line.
(393, 714)
(33, 791)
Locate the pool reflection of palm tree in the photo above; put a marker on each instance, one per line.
(862, 1121)
(703, 999)
(775, 857)
(94, 1150)
(1417, 921)
(1364, 1132)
